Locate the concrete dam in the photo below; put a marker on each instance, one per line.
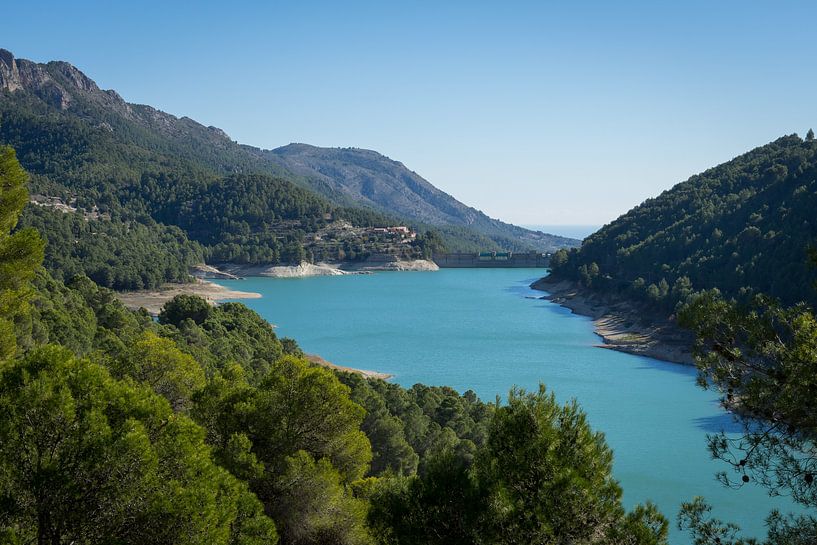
(496, 260)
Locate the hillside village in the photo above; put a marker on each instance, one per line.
(335, 240)
(341, 241)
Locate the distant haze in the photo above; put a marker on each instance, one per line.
(553, 112)
(571, 231)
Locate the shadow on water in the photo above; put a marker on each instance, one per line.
(669, 367)
(522, 287)
(717, 423)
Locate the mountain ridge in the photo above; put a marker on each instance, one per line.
(67, 89)
(387, 185)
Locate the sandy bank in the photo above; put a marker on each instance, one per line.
(417, 265)
(203, 270)
(367, 374)
(282, 271)
(153, 300)
(621, 325)
(324, 269)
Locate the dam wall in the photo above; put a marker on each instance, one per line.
(492, 260)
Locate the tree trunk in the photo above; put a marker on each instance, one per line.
(44, 531)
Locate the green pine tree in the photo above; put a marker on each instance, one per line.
(762, 359)
(21, 252)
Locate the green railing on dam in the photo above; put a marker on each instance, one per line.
(477, 260)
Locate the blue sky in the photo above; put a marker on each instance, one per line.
(534, 112)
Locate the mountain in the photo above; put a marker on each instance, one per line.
(59, 90)
(366, 177)
(74, 137)
(132, 196)
(747, 226)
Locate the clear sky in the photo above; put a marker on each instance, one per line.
(534, 112)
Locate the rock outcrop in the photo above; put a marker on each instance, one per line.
(22, 74)
(58, 83)
(66, 87)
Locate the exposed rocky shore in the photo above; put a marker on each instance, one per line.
(153, 300)
(323, 269)
(281, 271)
(362, 372)
(621, 325)
(208, 271)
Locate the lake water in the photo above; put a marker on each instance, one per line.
(486, 330)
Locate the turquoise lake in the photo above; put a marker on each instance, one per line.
(486, 330)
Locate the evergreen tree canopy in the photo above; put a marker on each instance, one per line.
(205, 428)
(761, 358)
(20, 253)
(88, 459)
(543, 476)
(743, 227)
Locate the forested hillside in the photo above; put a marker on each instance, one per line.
(367, 177)
(745, 227)
(132, 196)
(92, 153)
(204, 427)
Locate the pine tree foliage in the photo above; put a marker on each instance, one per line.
(20, 252)
(744, 227)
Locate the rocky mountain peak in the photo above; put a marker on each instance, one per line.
(9, 72)
(74, 76)
(64, 86)
(58, 83)
(6, 58)
(21, 74)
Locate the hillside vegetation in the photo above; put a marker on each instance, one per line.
(129, 189)
(205, 427)
(744, 227)
(121, 165)
(366, 177)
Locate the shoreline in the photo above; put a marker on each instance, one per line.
(153, 300)
(305, 269)
(314, 358)
(619, 323)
